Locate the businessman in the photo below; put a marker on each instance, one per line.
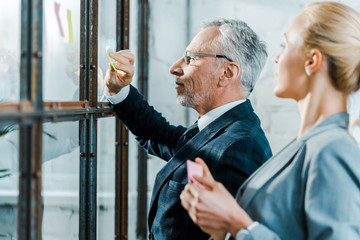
(215, 76)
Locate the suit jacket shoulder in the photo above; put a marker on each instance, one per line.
(309, 190)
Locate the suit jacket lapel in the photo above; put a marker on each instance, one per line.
(187, 151)
(268, 171)
(190, 149)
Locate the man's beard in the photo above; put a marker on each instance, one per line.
(192, 99)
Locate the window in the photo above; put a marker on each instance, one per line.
(63, 152)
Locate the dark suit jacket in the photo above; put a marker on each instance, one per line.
(233, 147)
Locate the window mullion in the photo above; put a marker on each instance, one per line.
(121, 138)
(88, 135)
(29, 203)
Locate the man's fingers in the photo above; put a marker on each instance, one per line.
(119, 58)
(120, 74)
(128, 69)
(129, 55)
(123, 57)
(110, 69)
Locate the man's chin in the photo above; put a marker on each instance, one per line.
(181, 100)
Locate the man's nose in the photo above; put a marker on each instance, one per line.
(176, 68)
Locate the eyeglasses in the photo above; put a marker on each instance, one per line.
(188, 55)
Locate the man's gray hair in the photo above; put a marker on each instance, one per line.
(241, 44)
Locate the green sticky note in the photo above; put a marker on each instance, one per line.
(71, 38)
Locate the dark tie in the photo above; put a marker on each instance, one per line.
(188, 134)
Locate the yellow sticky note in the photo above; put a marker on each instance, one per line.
(108, 50)
(71, 38)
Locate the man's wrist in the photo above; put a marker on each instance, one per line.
(113, 92)
(119, 97)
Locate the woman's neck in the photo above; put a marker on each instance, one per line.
(321, 102)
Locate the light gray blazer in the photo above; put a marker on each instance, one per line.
(309, 190)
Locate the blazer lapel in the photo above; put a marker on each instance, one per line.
(268, 171)
(277, 163)
(190, 149)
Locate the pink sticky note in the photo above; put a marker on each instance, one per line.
(194, 169)
(57, 9)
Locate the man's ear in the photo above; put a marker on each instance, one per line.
(313, 61)
(231, 71)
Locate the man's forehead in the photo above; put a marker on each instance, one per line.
(202, 39)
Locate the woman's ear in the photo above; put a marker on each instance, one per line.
(231, 71)
(313, 61)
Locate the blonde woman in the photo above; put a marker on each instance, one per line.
(310, 189)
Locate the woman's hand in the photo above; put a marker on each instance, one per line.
(214, 209)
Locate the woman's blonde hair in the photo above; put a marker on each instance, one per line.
(334, 29)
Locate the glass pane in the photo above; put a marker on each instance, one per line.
(107, 37)
(9, 180)
(106, 178)
(60, 178)
(9, 51)
(61, 47)
(353, 108)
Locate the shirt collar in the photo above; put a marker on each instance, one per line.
(210, 116)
